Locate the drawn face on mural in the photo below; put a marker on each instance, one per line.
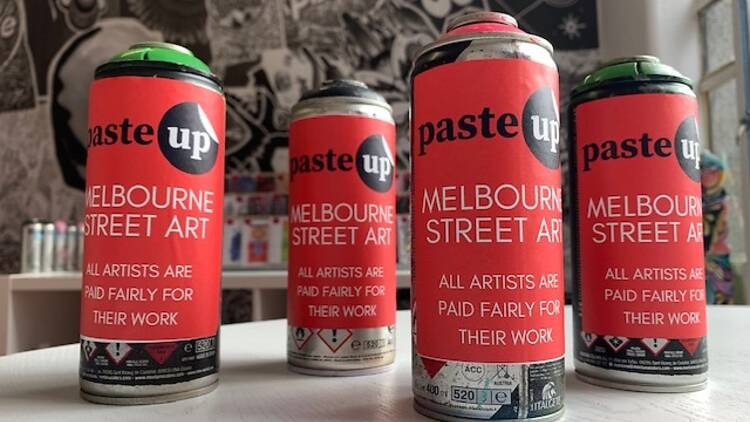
(73, 72)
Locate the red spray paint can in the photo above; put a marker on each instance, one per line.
(342, 232)
(153, 228)
(640, 305)
(487, 268)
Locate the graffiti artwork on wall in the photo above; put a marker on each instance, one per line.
(268, 52)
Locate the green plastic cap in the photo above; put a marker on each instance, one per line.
(162, 52)
(631, 69)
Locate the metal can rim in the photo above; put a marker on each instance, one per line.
(298, 110)
(153, 68)
(579, 96)
(480, 16)
(533, 40)
(506, 36)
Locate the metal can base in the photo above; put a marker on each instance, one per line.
(340, 373)
(424, 409)
(145, 400)
(646, 388)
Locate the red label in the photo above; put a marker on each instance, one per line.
(342, 223)
(487, 229)
(640, 217)
(154, 198)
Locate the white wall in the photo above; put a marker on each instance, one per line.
(667, 29)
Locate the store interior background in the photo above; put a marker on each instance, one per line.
(269, 51)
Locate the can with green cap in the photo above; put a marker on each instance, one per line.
(152, 228)
(639, 307)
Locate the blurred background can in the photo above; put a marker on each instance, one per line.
(32, 237)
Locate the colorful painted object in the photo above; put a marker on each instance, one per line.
(723, 283)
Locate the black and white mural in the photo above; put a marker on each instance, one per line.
(267, 51)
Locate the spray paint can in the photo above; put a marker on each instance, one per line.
(60, 253)
(487, 267)
(71, 247)
(48, 247)
(150, 310)
(32, 234)
(342, 219)
(640, 307)
(79, 247)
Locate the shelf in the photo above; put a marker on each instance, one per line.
(239, 279)
(42, 309)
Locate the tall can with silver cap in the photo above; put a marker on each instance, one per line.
(150, 303)
(639, 309)
(342, 232)
(61, 248)
(71, 247)
(48, 246)
(32, 237)
(487, 267)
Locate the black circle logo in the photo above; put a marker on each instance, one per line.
(541, 127)
(187, 139)
(374, 163)
(688, 148)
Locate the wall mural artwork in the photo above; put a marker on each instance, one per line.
(267, 51)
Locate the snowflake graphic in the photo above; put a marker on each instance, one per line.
(571, 26)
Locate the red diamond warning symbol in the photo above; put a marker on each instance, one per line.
(690, 344)
(300, 336)
(655, 344)
(588, 338)
(160, 352)
(89, 349)
(118, 351)
(432, 366)
(334, 338)
(615, 343)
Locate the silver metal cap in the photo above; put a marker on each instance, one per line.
(481, 17)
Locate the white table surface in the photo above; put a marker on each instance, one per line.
(256, 386)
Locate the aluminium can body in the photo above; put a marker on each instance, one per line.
(150, 304)
(71, 247)
(61, 251)
(639, 302)
(487, 254)
(48, 247)
(32, 234)
(79, 249)
(342, 232)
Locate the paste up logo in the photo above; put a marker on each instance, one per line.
(539, 123)
(375, 163)
(687, 148)
(541, 127)
(188, 139)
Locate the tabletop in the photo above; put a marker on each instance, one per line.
(255, 385)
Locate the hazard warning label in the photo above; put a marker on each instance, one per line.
(588, 338)
(615, 342)
(334, 338)
(89, 349)
(118, 351)
(160, 352)
(655, 345)
(301, 336)
(134, 363)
